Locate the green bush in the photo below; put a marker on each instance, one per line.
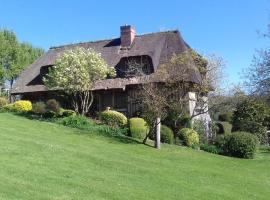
(113, 118)
(210, 148)
(255, 128)
(67, 113)
(189, 137)
(3, 101)
(166, 134)
(78, 121)
(223, 127)
(225, 117)
(53, 105)
(199, 127)
(138, 127)
(49, 114)
(250, 116)
(39, 107)
(238, 144)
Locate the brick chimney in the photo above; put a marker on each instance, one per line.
(127, 35)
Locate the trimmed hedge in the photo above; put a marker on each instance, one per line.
(138, 127)
(189, 137)
(238, 144)
(166, 134)
(113, 118)
(225, 117)
(223, 127)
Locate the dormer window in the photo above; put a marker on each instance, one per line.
(134, 66)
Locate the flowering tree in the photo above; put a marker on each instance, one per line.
(75, 72)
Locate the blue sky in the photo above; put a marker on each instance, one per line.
(227, 28)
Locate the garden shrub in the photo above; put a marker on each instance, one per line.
(238, 144)
(113, 118)
(138, 127)
(166, 134)
(9, 107)
(250, 116)
(255, 128)
(67, 113)
(3, 101)
(223, 127)
(225, 117)
(210, 148)
(22, 105)
(49, 114)
(185, 121)
(199, 127)
(39, 107)
(78, 121)
(189, 137)
(53, 105)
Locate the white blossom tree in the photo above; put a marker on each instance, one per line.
(75, 72)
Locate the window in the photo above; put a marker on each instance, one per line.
(134, 66)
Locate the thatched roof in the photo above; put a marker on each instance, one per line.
(159, 46)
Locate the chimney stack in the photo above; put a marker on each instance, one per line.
(127, 35)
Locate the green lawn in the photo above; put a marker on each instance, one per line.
(41, 160)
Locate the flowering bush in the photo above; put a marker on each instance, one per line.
(189, 137)
(22, 105)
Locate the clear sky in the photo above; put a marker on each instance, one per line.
(227, 28)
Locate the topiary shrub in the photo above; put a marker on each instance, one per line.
(113, 118)
(3, 101)
(225, 117)
(39, 107)
(138, 127)
(238, 144)
(189, 137)
(223, 127)
(53, 105)
(166, 134)
(22, 105)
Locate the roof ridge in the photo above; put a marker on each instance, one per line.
(103, 40)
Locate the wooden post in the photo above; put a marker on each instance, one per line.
(157, 143)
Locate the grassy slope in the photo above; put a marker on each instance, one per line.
(41, 160)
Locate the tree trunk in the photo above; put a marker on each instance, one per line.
(157, 142)
(9, 92)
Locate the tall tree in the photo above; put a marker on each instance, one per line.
(167, 90)
(75, 72)
(258, 74)
(15, 56)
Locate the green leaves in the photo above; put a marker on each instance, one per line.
(15, 56)
(76, 70)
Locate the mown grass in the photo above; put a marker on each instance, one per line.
(41, 160)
